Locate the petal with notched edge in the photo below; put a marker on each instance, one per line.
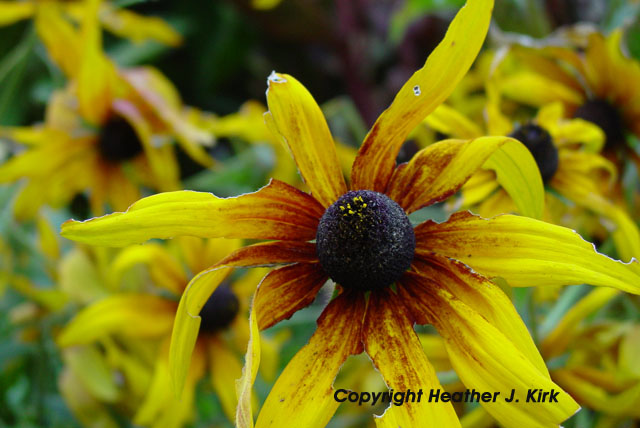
(480, 294)
(437, 172)
(277, 211)
(394, 348)
(420, 95)
(487, 361)
(295, 116)
(286, 290)
(525, 252)
(303, 394)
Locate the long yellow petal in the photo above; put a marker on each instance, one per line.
(486, 360)
(420, 95)
(244, 385)
(137, 315)
(303, 394)
(525, 252)
(484, 297)
(535, 90)
(138, 28)
(450, 122)
(299, 121)
(441, 169)
(225, 370)
(395, 350)
(96, 74)
(13, 11)
(60, 38)
(277, 211)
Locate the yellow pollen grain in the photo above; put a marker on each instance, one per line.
(351, 212)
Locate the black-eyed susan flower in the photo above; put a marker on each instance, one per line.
(390, 275)
(567, 154)
(599, 85)
(147, 311)
(107, 133)
(117, 20)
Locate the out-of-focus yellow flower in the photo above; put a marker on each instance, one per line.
(117, 20)
(148, 313)
(601, 371)
(600, 85)
(567, 154)
(107, 133)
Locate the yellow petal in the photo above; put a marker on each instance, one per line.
(484, 297)
(200, 288)
(60, 38)
(568, 327)
(420, 95)
(395, 350)
(187, 323)
(535, 90)
(486, 360)
(581, 187)
(624, 403)
(225, 370)
(277, 211)
(578, 132)
(450, 122)
(525, 252)
(303, 394)
(286, 290)
(438, 171)
(13, 11)
(138, 28)
(96, 74)
(89, 365)
(302, 126)
(244, 385)
(165, 270)
(136, 315)
(80, 278)
(159, 95)
(48, 239)
(89, 411)
(166, 179)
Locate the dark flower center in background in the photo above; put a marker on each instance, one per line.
(540, 144)
(606, 116)
(118, 141)
(220, 310)
(79, 207)
(365, 240)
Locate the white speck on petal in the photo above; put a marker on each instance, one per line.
(416, 90)
(273, 77)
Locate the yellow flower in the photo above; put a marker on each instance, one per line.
(364, 241)
(118, 21)
(148, 313)
(107, 132)
(567, 155)
(599, 85)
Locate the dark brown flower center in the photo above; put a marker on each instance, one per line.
(118, 141)
(220, 310)
(606, 116)
(365, 240)
(541, 146)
